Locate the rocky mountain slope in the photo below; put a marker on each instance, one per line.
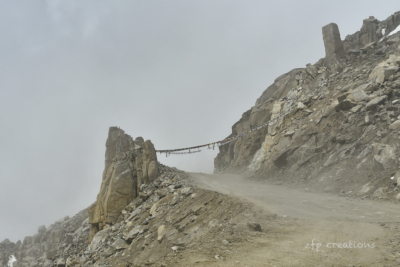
(343, 134)
(163, 218)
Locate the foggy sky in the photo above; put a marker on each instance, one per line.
(179, 73)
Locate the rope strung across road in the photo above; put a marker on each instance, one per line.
(192, 149)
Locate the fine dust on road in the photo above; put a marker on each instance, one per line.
(336, 223)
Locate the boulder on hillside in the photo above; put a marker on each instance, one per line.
(375, 102)
(384, 157)
(358, 96)
(382, 72)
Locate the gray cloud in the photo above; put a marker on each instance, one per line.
(180, 73)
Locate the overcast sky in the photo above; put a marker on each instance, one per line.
(179, 73)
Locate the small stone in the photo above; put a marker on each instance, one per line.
(143, 196)
(218, 257)
(120, 244)
(60, 262)
(289, 133)
(186, 191)
(254, 226)
(161, 232)
(300, 105)
(395, 125)
(365, 189)
(225, 242)
(133, 233)
(375, 102)
(213, 223)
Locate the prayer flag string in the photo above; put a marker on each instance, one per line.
(225, 141)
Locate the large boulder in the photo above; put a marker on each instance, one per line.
(333, 46)
(382, 72)
(98, 239)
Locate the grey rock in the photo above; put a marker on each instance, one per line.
(375, 102)
(42, 229)
(333, 46)
(381, 51)
(254, 226)
(365, 189)
(120, 244)
(384, 157)
(345, 105)
(365, 152)
(133, 233)
(183, 241)
(60, 262)
(186, 191)
(395, 125)
(358, 96)
(108, 251)
(99, 238)
(384, 73)
(354, 51)
(380, 193)
(393, 41)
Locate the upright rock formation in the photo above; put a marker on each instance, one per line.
(333, 47)
(371, 32)
(128, 164)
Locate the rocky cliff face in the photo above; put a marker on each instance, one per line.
(371, 31)
(128, 164)
(343, 132)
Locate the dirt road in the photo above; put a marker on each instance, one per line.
(319, 230)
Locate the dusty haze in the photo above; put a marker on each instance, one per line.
(175, 72)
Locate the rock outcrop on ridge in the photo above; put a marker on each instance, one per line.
(128, 164)
(371, 31)
(343, 132)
